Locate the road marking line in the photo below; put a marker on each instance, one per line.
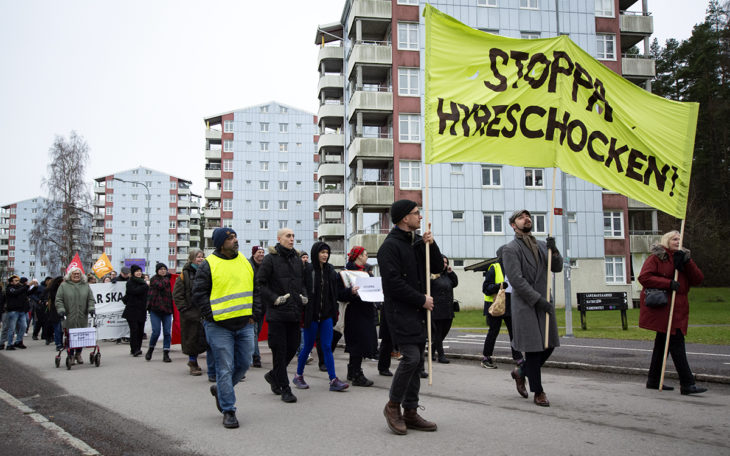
(43, 421)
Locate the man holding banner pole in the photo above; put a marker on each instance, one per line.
(525, 262)
(402, 261)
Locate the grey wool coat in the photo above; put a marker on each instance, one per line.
(77, 300)
(529, 282)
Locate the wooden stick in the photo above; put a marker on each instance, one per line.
(550, 261)
(671, 314)
(428, 276)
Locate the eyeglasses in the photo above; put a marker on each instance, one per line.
(415, 213)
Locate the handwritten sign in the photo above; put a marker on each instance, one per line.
(371, 289)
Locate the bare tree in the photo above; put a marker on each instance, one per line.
(63, 225)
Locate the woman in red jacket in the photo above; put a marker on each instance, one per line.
(658, 272)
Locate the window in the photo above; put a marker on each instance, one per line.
(538, 223)
(264, 108)
(408, 82)
(109, 210)
(530, 35)
(264, 147)
(227, 223)
(457, 216)
(227, 126)
(283, 128)
(283, 185)
(408, 36)
(264, 127)
(613, 224)
(227, 145)
(410, 175)
(264, 205)
(283, 147)
(173, 198)
(133, 250)
(171, 238)
(134, 197)
(492, 223)
(173, 211)
(133, 223)
(227, 185)
(491, 176)
(228, 165)
(264, 166)
(283, 167)
(458, 263)
(171, 251)
(457, 168)
(529, 4)
(533, 178)
(604, 8)
(299, 145)
(486, 2)
(283, 205)
(409, 125)
(283, 224)
(227, 204)
(133, 237)
(605, 46)
(263, 243)
(173, 185)
(615, 270)
(263, 224)
(263, 185)
(173, 224)
(283, 110)
(408, 2)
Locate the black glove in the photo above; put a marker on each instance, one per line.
(679, 260)
(543, 305)
(550, 241)
(62, 314)
(505, 285)
(674, 285)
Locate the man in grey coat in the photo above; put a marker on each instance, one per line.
(525, 262)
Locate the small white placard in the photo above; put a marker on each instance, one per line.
(371, 289)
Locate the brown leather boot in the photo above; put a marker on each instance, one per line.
(519, 382)
(415, 421)
(194, 368)
(394, 418)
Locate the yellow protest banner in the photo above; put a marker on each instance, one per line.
(548, 103)
(102, 266)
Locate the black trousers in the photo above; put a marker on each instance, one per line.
(441, 330)
(531, 368)
(494, 324)
(407, 379)
(386, 345)
(284, 339)
(136, 329)
(679, 357)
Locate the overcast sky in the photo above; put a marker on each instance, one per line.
(136, 78)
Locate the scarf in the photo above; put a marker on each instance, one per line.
(530, 242)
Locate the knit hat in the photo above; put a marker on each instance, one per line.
(355, 252)
(517, 213)
(159, 266)
(126, 270)
(255, 249)
(220, 235)
(400, 209)
(134, 269)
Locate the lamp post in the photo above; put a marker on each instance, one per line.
(147, 222)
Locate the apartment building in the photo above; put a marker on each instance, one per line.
(370, 125)
(143, 214)
(260, 175)
(18, 255)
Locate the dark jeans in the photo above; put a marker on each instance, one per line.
(679, 357)
(407, 379)
(136, 328)
(531, 368)
(494, 324)
(386, 345)
(283, 342)
(441, 330)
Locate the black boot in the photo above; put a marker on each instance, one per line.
(166, 356)
(361, 380)
(148, 355)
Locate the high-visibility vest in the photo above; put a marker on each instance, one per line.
(231, 295)
(498, 278)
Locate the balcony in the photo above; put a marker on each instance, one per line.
(181, 230)
(212, 194)
(370, 53)
(331, 230)
(330, 140)
(370, 101)
(183, 217)
(195, 226)
(182, 256)
(331, 81)
(213, 154)
(641, 243)
(638, 67)
(99, 203)
(99, 216)
(214, 213)
(371, 196)
(334, 199)
(98, 242)
(183, 190)
(331, 110)
(331, 170)
(370, 241)
(370, 148)
(194, 238)
(183, 203)
(183, 243)
(98, 230)
(5, 225)
(370, 9)
(634, 27)
(330, 53)
(99, 189)
(213, 174)
(3, 258)
(212, 134)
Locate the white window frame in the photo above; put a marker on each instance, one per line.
(227, 185)
(283, 110)
(412, 180)
(264, 108)
(537, 220)
(602, 41)
(264, 127)
(263, 147)
(227, 126)
(264, 186)
(409, 128)
(457, 168)
(408, 2)
(496, 221)
(263, 224)
(283, 205)
(283, 128)
(283, 186)
(173, 224)
(228, 165)
(487, 3)
(613, 218)
(264, 165)
(529, 4)
(533, 173)
(604, 8)
(227, 145)
(408, 82)
(227, 204)
(529, 35)
(283, 167)
(109, 210)
(457, 216)
(407, 31)
(492, 170)
(264, 205)
(283, 147)
(173, 185)
(618, 267)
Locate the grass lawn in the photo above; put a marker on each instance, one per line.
(708, 306)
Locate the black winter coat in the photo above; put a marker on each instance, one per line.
(326, 281)
(135, 300)
(192, 333)
(402, 261)
(442, 290)
(16, 298)
(361, 337)
(280, 273)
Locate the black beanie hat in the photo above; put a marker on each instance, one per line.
(159, 266)
(134, 268)
(400, 209)
(220, 235)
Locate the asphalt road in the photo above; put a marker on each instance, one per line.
(128, 406)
